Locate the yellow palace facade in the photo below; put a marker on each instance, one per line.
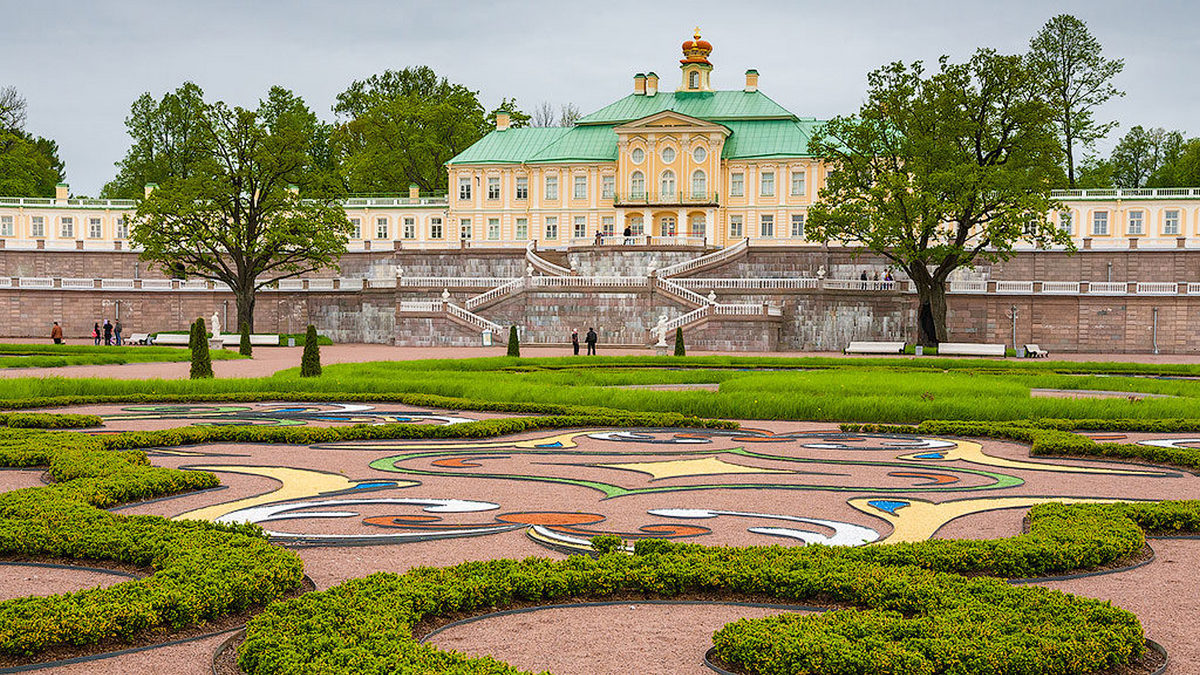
(687, 165)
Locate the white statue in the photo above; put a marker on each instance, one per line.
(712, 297)
(662, 331)
(445, 295)
(216, 326)
(821, 272)
(529, 270)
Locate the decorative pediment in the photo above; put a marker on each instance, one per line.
(669, 120)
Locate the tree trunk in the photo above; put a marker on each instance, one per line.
(931, 312)
(245, 307)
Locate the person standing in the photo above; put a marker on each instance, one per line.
(117, 333)
(56, 335)
(628, 235)
(96, 334)
(107, 333)
(591, 341)
(575, 340)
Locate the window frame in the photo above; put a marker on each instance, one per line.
(799, 178)
(1140, 220)
(737, 184)
(579, 186)
(736, 226)
(1172, 222)
(766, 184)
(522, 188)
(703, 177)
(464, 188)
(798, 223)
(766, 225)
(66, 227)
(493, 188)
(663, 184)
(436, 230)
(382, 227)
(551, 186)
(1100, 223)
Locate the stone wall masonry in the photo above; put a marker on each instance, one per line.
(621, 261)
(619, 318)
(127, 265)
(732, 335)
(470, 263)
(434, 331)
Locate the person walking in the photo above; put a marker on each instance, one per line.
(575, 340)
(117, 332)
(96, 334)
(56, 335)
(628, 235)
(107, 333)
(591, 341)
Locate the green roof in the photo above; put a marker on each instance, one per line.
(705, 105)
(760, 128)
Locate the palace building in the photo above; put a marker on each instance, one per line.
(686, 194)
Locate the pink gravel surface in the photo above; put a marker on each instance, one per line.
(601, 640)
(15, 479)
(18, 581)
(188, 658)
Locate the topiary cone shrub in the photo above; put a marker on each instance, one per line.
(514, 342)
(201, 361)
(310, 362)
(680, 350)
(244, 347)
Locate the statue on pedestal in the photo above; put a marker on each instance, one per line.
(216, 326)
(661, 329)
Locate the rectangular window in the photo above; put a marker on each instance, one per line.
(66, 227)
(522, 187)
(6, 226)
(551, 187)
(381, 228)
(37, 226)
(123, 228)
(435, 228)
(464, 229)
(799, 184)
(1136, 222)
(735, 227)
(737, 184)
(767, 181)
(699, 226)
(580, 227)
(608, 185)
(1100, 223)
(493, 187)
(551, 227)
(636, 226)
(606, 226)
(1171, 222)
(522, 229)
(797, 225)
(766, 225)
(356, 228)
(1064, 221)
(580, 189)
(464, 187)
(493, 228)
(410, 228)
(95, 228)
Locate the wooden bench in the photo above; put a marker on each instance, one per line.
(137, 339)
(171, 339)
(970, 349)
(864, 347)
(1035, 352)
(256, 340)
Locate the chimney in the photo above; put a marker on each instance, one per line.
(150, 187)
(639, 84)
(62, 192)
(651, 84)
(414, 191)
(751, 81)
(502, 121)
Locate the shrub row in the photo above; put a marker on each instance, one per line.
(49, 421)
(201, 571)
(907, 618)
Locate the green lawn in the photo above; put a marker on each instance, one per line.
(54, 356)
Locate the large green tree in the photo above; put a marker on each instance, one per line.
(400, 127)
(235, 217)
(937, 171)
(517, 118)
(1076, 79)
(167, 141)
(1142, 154)
(29, 165)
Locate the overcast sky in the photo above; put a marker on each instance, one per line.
(81, 64)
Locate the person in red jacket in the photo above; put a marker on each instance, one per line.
(56, 334)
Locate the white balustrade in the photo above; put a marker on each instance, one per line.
(1014, 287)
(78, 284)
(805, 283)
(6, 282)
(116, 284)
(423, 306)
(157, 284)
(290, 284)
(1060, 287)
(968, 286)
(193, 285)
(35, 282)
(20, 244)
(452, 282)
(61, 245)
(715, 257)
(1157, 288)
(507, 288)
(474, 319)
(381, 283)
(543, 265)
(684, 319)
(1193, 288)
(860, 285)
(685, 294)
(1107, 288)
(351, 283)
(587, 282)
(98, 245)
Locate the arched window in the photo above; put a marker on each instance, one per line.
(699, 184)
(667, 183)
(637, 185)
(693, 80)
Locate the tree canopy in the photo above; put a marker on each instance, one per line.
(400, 127)
(235, 216)
(29, 165)
(938, 170)
(1076, 79)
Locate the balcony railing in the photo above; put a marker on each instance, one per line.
(681, 198)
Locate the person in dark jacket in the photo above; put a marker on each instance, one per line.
(575, 341)
(117, 333)
(591, 341)
(107, 333)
